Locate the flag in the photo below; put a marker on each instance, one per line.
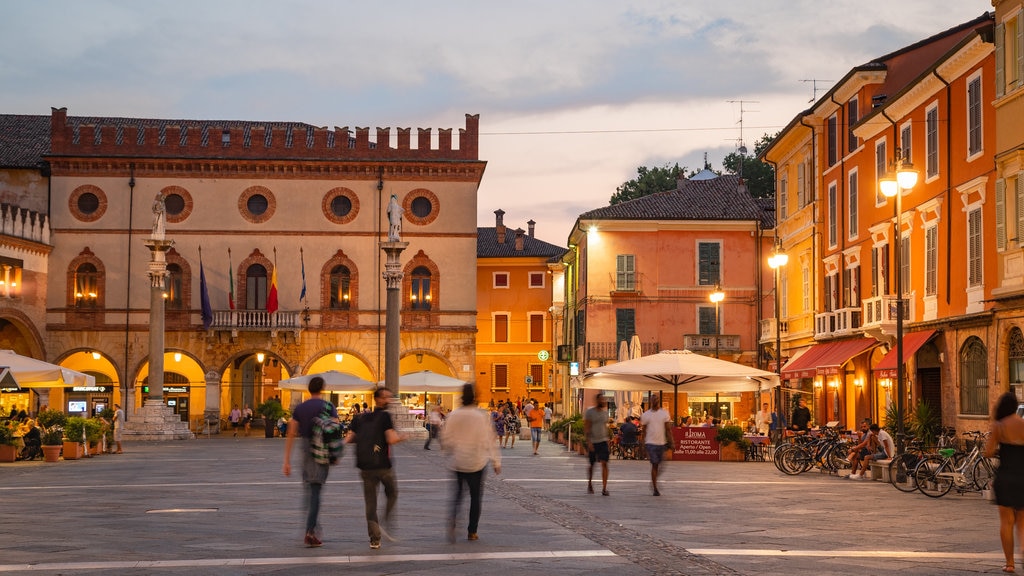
(204, 297)
(302, 294)
(272, 293)
(231, 278)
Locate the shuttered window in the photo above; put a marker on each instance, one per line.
(625, 272)
(709, 265)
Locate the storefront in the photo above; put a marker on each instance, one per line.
(87, 401)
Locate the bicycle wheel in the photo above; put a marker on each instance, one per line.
(982, 473)
(795, 461)
(779, 454)
(837, 456)
(901, 472)
(934, 476)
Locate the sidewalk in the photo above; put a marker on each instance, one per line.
(221, 505)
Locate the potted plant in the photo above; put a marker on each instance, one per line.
(74, 432)
(271, 410)
(52, 439)
(8, 444)
(733, 445)
(93, 435)
(51, 418)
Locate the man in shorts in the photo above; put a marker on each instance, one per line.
(862, 450)
(657, 433)
(536, 419)
(885, 447)
(595, 431)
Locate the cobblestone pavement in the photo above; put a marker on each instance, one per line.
(221, 506)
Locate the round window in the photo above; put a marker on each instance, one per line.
(341, 206)
(257, 204)
(88, 203)
(174, 203)
(422, 207)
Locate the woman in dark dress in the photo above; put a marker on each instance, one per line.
(1007, 435)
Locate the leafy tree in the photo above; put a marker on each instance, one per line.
(760, 176)
(647, 181)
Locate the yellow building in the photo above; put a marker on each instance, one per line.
(517, 278)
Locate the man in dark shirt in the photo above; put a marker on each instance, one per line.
(373, 433)
(801, 417)
(314, 475)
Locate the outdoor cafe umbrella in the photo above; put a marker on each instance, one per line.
(683, 370)
(32, 373)
(427, 381)
(334, 381)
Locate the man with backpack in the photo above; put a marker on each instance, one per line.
(373, 433)
(315, 421)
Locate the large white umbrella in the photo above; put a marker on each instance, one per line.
(685, 371)
(427, 381)
(334, 381)
(32, 373)
(635, 351)
(622, 396)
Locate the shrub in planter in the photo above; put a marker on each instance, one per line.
(271, 410)
(53, 437)
(49, 418)
(74, 429)
(730, 434)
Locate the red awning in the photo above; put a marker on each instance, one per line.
(911, 343)
(826, 358)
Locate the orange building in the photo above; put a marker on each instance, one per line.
(517, 277)
(859, 252)
(647, 267)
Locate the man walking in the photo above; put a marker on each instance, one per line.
(469, 442)
(595, 430)
(314, 474)
(657, 431)
(535, 417)
(373, 433)
(118, 426)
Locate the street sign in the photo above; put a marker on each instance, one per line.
(543, 355)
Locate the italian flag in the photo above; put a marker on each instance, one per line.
(272, 293)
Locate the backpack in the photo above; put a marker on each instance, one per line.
(328, 444)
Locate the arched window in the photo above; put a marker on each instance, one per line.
(974, 377)
(420, 296)
(1015, 357)
(256, 287)
(87, 285)
(341, 288)
(173, 288)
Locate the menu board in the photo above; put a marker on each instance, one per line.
(690, 443)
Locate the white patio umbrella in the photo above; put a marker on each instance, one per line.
(622, 396)
(427, 381)
(334, 381)
(32, 373)
(635, 351)
(685, 371)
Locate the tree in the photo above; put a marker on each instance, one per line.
(647, 181)
(760, 176)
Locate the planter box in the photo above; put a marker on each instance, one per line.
(51, 453)
(732, 452)
(72, 450)
(8, 453)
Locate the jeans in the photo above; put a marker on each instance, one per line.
(474, 482)
(312, 505)
(372, 479)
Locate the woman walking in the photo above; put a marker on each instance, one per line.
(469, 445)
(499, 425)
(1007, 435)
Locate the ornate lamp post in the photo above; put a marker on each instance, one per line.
(717, 296)
(905, 179)
(776, 261)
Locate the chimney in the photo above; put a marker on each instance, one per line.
(499, 226)
(531, 225)
(519, 239)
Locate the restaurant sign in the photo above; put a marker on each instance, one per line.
(695, 443)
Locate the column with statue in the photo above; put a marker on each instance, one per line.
(393, 282)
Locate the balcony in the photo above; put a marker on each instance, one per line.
(880, 312)
(727, 343)
(841, 322)
(610, 350)
(768, 333)
(255, 321)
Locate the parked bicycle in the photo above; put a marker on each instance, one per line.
(937, 474)
(903, 465)
(827, 452)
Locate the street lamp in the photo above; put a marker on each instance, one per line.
(717, 296)
(776, 261)
(905, 179)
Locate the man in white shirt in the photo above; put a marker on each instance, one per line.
(885, 446)
(763, 420)
(657, 425)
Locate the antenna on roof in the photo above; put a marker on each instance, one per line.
(740, 146)
(814, 87)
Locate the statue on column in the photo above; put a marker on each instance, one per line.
(395, 212)
(159, 217)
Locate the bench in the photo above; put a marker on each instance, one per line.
(880, 469)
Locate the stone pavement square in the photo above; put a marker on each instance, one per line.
(222, 506)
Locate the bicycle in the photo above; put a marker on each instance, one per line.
(827, 452)
(936, 475)
(903, 465)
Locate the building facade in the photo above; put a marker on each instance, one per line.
(282, 220)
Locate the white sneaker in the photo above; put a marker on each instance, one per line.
(854, 476)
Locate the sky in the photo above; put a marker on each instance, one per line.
(573, 95)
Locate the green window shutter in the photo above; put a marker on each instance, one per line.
(1000, 60)
(1020, 47)
(1001, 214)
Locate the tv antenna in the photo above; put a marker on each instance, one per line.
(814, 87)
(740, 146)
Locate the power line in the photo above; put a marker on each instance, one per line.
(624, 131)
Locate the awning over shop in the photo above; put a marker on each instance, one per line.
(911, 344)
(826, 359)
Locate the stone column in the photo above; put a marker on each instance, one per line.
(157, 285)
(393, 281)
(212, 412)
